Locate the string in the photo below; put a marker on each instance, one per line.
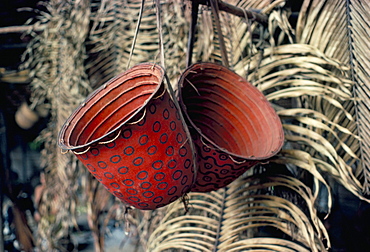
(136, 33)
(160, 33)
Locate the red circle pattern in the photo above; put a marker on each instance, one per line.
(150, 164)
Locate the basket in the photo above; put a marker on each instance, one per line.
(232, 124)
(130, 136)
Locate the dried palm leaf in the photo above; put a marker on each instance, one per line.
(56, 59)
(113, 32)
(340, 29)
(303, 74)
(97, 204)
(245, 215)
(236, 33)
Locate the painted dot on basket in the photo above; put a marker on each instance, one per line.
(157, 165)
(170, 102)
(187, 163)
(177, 174)
(177, 115)
(127, 133)
(143, 140)
(170, 151)
(162, 185)
(118, 194)
(138, 161)
(108, 175)
(163, 138)
(183, 151)
(206, 149)
(172, 164)
(115, 159)
(207, 178)
(166, 114)
(115, 185)
(158, 199)
(148, 194)
(184, 180)
(123, 170)
(129, 150)
(142, 204)
(223, 157)
(224, 171)
(152, 108)
(102, 164)
(95, 152)
(179, 138)
(131, 191)
(159, 176)
(134, 199)
(173, 125)
(161, 97)
(91, 168)
(157, 126)
(110, 145)
(142, 121)
(208, 166)
(174, 198)
(84, 156)
(152, 150)
(142, 175)
(128, 182)
(172, 190)
(146, 185)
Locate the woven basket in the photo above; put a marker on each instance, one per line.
(232, 124)
(130, 136)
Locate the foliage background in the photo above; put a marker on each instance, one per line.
(312, 66)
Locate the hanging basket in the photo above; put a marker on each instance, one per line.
(129, 135)
(232, 124)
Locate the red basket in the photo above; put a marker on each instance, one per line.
(130, 136)
(231, 122)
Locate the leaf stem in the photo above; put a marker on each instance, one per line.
(237, 11)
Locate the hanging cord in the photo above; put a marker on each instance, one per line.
(136, 33)
(160, 32)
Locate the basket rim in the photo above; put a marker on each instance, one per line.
(150, 66)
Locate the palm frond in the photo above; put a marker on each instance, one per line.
(303, 75)
(340, 29)
(113, 33)
(237, 33)
(234, 218)
(56, 58)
